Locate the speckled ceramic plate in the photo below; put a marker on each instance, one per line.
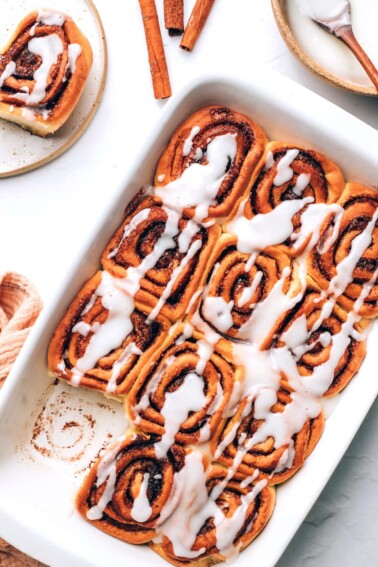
(21, 151)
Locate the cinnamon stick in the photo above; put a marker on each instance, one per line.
(156, 54)
(174, 16)
(196, 22)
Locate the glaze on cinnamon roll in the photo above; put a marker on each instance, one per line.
(234, 512)
(104, 340)
(184, 392)
(129, 491)
(312, 331)
(347, 266)
(208, 162)
(239, 284)
(43, 71)
(170, 252)
(289, 179)
(271, 433)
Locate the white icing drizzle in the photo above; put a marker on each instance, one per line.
(199, 184)
(193, 299)
(118, 364)
(256, 234)
(74, 52)
(269, 160)
(247, 293)
(8, 72)
(151, 389)
(195, 506)
(284, 171)
(49, 48)
(188, 144)
(218, 312)
(194, 248)
(266, 313)
(302, 182)
(345, 269)
(51, 18)
(112, 332)
(141, 510)
(106, 473)
(140, 217)
(189, 397)
(118, 298)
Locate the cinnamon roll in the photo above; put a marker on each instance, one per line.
(104, 339)
(346, 265)
(43, 71)
(208, 162)
(233, 513)
(289, 179)
(312, 331)
(240, 284)
(129, 491)
(184, 392)
(169, 252)
(271, 433)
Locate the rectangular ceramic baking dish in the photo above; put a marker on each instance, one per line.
(50, 432)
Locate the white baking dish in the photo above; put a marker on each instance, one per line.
(37, 487)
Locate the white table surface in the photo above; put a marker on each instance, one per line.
(45, 214)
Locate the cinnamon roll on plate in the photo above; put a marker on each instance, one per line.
(43, 71)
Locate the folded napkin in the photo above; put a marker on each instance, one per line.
(11, 557)
(20, 306)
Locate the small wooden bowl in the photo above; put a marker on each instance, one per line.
(280, 14)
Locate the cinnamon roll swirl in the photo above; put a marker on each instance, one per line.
(174, 250)
(218, 142)
(104, 339)
(270, 435)
(234, 512)
(184, 392)
(312, 331)
(239, 284)
(129, 491)
(43, 71)
(347, 266)
(289, 179)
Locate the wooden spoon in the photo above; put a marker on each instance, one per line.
(346, 34)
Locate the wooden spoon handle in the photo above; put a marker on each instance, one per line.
(346, 34)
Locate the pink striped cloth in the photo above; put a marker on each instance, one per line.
(20, 306)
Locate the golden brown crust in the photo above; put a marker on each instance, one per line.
(214, 121)
(63, 90)
(360, 204)
(67, 346)
(136, 239)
